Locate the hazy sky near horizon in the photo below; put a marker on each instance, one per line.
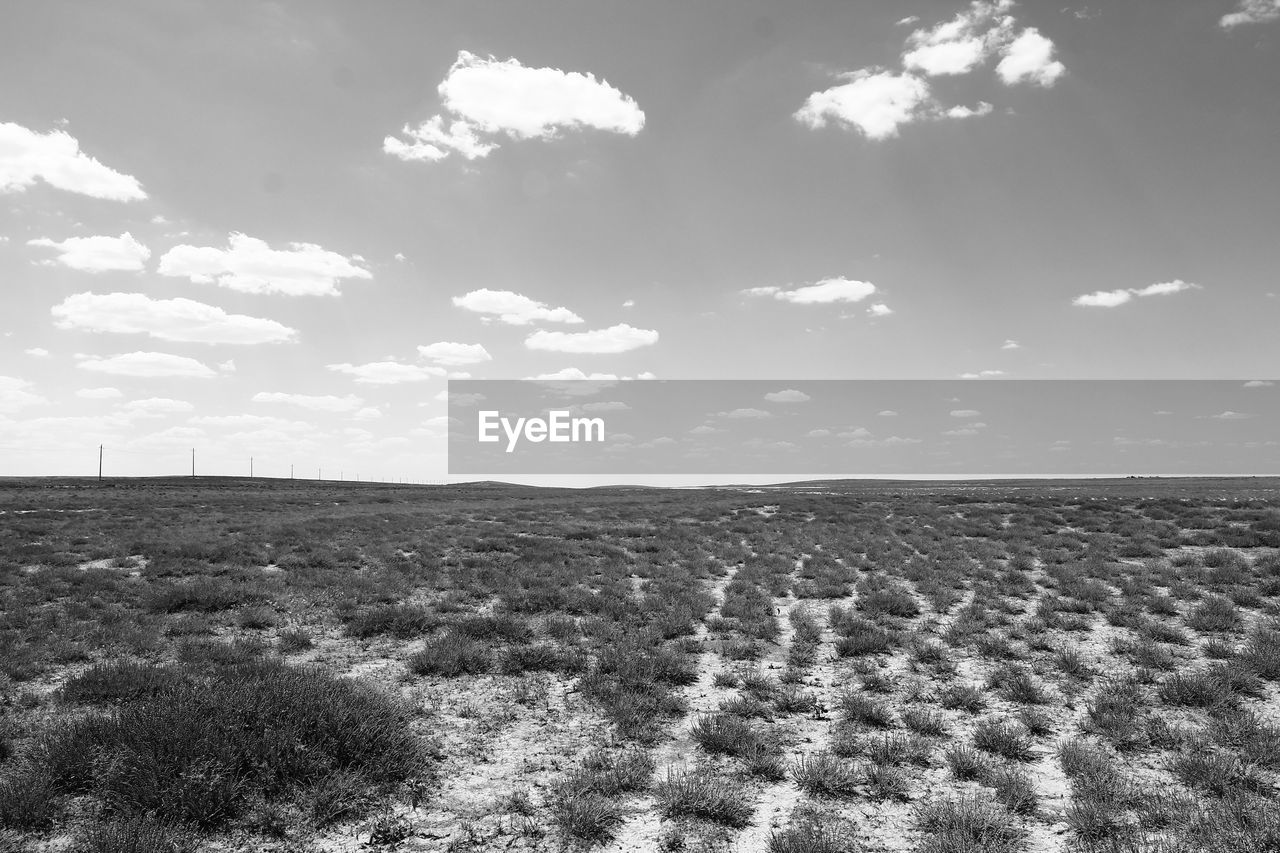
(276, 229)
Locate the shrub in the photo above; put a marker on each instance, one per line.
(924, 722)
(705, 797)
(968, 824)
(450, 656)
(966, 763)
(585, 815)
(402, 621)
(963, 697)
(27, 799)
(863, 709)
(1215, 772)
(1014, 789)
(118, 681)
(1007, 739)
(139, 834)
(1215, 613)
(809, 838)
(294, 640)
(826, 775)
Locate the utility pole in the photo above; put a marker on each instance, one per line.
(99, 463)
(193, 462)
(250, 467)
(290, 470)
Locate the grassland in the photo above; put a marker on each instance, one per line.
(251, 665)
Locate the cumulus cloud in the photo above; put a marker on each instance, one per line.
(1114, 298)
(183, 320)
(826, 291)
(37, 352)
(879, 309)
(615, 339)
(249, 265)
(512, 308)
(98, 254)
(745, 413)
(1232, 416)
(1029, 59)
(14, 394)
(789, 395)
(1259, 383)
(1011, 344)
(55, 158)
(887, 413)
(453, 354)
(875, 102)
(485, 99)
(573, 373)
(313, 402)
(1251, 12)
(146, 365)
(99, 393)
(387, 372)
(965, 413)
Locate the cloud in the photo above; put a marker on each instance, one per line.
(1259, 383)
(14, 394)
(155, 407)
(891, 441)
(857, 433)
(615, 339)
(182, 320)
(1232, 416)
(146, 365)
(982, 374)
(453, 354)
(704, 429)
(98, 254)
(887, 413)
(368, 413)
(1114, 298)
(879, 309)
(790, 395)
(982, 109)
(99, 393)
(961, 44)
(250, 266)
(750, 413)
(824, 292)
(965, 413)
(1251, 12)
(1011, 344)
(486, 98)
(37, 352)
(387, 372)
(818, 433)
(515, 309)
(55, 158)
(1029, 59)
(875, 102)
(316, 403)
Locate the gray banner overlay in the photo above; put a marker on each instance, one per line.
(865, 427)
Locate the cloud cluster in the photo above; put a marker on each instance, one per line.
(877, 101)
(1114, 298)
(182, 320)
(1251, 12)
(249, 265)
(55, 158)
(98, 254)
(486, 98)
(514, 309)
(14, 394)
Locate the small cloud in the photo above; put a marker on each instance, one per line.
(859, 432)
(615, 339)
(704, 429)
(98, 254)
(1029, 59)
(874, 102)
(1162, 412)
(790, 395)
(1114, 298)
(37, 352)
(1259, 383)
(745, 413)
(887, 413)
(387, 372)
(399, 256)
(514, 309)
(823, 292)
(313, 402)
(146, 364)
(982, 374)
(99, 393)
(249, 265)
(1232, 416)
(368, 413)
(453, 354)
(55, 158)
(1011, 344)
(818, 433)
(155, 407)
(14, 394)
(961, 111)
(965, 413)
(908, 21)
(879, 309)
(180, 320)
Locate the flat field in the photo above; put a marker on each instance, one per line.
(264, 665)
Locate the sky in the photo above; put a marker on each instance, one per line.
(277, 230)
